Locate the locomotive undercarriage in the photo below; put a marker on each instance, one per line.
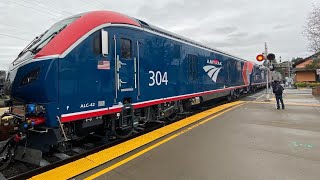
(130, 120)
(120, 125)
(39, 139)
(123, 124)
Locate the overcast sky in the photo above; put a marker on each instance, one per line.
(239, 27)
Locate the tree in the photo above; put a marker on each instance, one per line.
(2, 79)
(315, 64)
(295, 60)
(312, 29)
(2, 74)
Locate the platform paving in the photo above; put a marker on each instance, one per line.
(299, 96)
(254, 141)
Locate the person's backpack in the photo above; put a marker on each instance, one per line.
(278, 89)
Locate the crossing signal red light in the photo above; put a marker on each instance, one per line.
(260, 57)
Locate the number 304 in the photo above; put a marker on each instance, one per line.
(158, 78)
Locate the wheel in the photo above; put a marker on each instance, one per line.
(119, 132)
(229, 98)
(173, 116)
(6, 153)
(175, 112)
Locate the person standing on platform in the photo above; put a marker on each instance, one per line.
(278, 91)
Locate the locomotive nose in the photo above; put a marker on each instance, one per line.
(7, 88)
(8, 82)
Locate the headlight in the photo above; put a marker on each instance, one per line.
(34, 109)
(31, 108)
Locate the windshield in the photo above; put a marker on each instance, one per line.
(40, 41)
(53, 31)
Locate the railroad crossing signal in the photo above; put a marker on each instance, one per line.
(260, 57)
(272, 68)
(271, 56)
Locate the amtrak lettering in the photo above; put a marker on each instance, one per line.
(214, 61)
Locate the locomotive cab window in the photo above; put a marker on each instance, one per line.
(100, 43)
(97, 43)
(125, 45)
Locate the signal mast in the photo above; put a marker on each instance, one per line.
(267, 65)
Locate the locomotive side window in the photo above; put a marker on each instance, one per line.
(228, 71)
(125, 45)
(176, 51)
(192, 67)
(239, 66)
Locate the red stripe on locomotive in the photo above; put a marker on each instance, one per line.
(80, 27)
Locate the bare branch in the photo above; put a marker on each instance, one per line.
(312, 29)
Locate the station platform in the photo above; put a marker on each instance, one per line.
(247, 139)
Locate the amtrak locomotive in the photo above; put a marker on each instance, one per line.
(106, 73)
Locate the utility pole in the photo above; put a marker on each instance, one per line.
(289, 73)
(268, 70)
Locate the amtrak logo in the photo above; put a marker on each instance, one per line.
(212, 72)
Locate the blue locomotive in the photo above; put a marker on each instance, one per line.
(104, 72)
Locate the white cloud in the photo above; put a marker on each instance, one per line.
(239, 27)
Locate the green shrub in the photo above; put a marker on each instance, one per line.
(314, 84)
(301, 84)
(307, 84)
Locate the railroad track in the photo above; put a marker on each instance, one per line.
(90, 145)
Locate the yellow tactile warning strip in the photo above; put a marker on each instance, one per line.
(110, 168)
(293, 104)
(82, 165)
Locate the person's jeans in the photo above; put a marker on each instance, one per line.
(279, 98)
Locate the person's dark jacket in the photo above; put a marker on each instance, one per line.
(278, 90)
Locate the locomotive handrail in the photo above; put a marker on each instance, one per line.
(135, 72)
(138, 54)
(115, 69)
(62, 129)
(34, 130)
(122, 82)
(121, 63)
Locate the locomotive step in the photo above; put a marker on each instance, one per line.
(61, 156)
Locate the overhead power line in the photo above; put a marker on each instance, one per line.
(17, 27)
(55, 7)
(39, 10)
(90, 4)
(46, 7)
(15, 37)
